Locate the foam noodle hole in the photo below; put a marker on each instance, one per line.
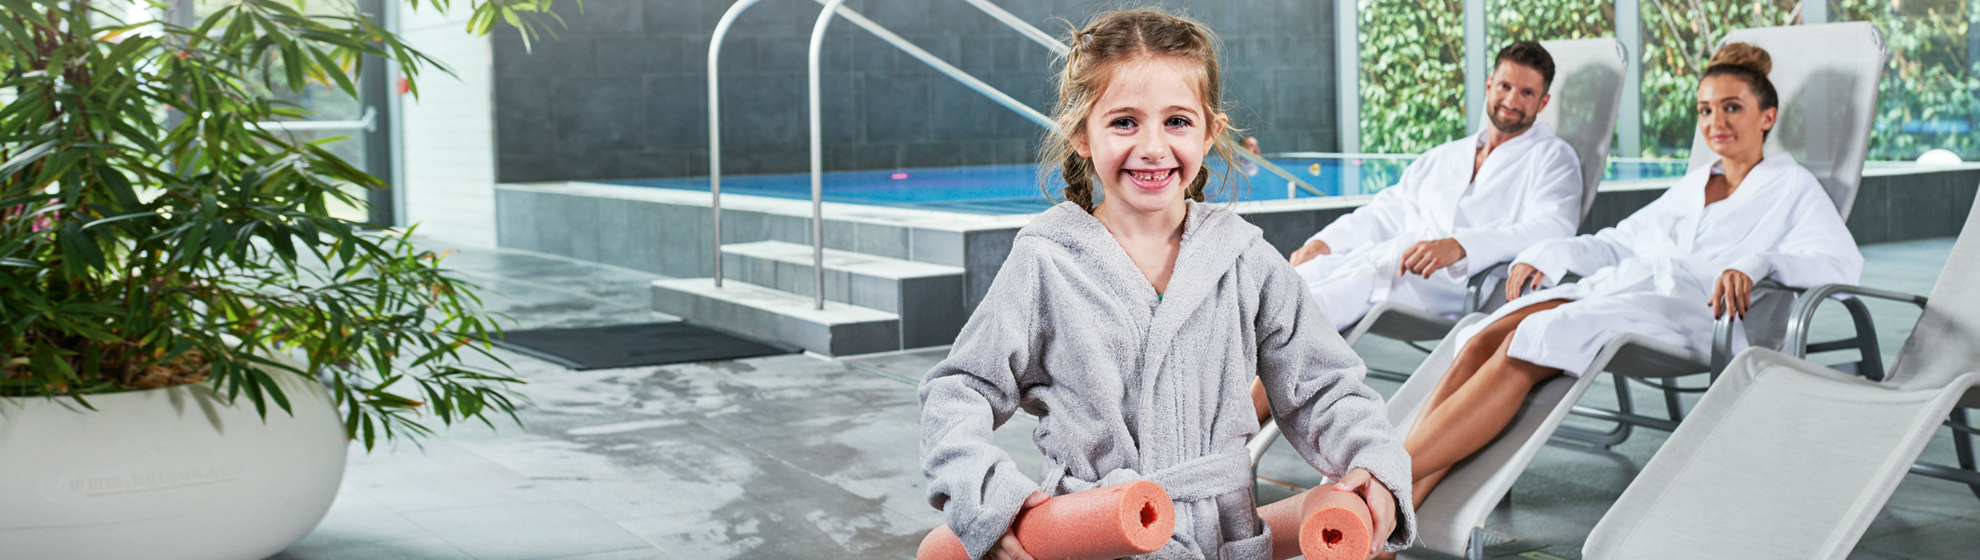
(1336, 526)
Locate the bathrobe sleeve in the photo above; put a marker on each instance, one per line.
(1550, 209)
(974, 391)
(1385, 217)
(1336, 422)
(1817, 250)
(1585, 254)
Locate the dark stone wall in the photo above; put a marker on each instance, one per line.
(622, 92)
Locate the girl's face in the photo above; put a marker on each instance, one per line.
(1730, 117)
(1148, 133)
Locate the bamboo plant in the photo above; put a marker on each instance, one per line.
(153, 234)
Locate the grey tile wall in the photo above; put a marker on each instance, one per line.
(621, 92)
(1913, 206)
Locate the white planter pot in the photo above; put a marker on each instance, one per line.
(166, 474)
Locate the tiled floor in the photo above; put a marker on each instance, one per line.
(798, 457)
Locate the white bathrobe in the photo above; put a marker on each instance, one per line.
(1131, 387)
(1528, 191)
(1654, 273)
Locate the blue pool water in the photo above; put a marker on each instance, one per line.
(1014, 189)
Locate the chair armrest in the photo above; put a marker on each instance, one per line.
(1722, 329)
(1803, 316)
(1483, 284)
(1504, 272)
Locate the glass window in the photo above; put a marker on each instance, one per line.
(1545, 20)
(1412, 76)
(321, 100)
(1930, 97)
(1678, 37)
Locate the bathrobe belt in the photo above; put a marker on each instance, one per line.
(1201, 478)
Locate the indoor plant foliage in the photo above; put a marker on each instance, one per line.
(151, 234)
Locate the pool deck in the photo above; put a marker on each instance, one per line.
(797, 457)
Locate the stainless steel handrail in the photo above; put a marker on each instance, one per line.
(1019, 24)
(944, 67)
(715, 123)
(835, 7)
(1269, 166)
(818, 156)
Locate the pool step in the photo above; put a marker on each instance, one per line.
(837, 330)
(929, 298)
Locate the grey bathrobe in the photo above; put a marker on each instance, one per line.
(1128, 387)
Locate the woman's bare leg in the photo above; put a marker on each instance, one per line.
(1476, 351)
(1473, 402)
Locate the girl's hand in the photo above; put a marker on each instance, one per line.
(1381, 504)
(1523, 277)
(1733, 292)
(1007, 547)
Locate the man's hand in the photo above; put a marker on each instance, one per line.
(1733, 292)
(1311, 249)
(1381, 504)
(1523, 277)
(1426, 257)
(1007, 547)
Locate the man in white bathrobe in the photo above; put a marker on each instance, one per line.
(1458, 209)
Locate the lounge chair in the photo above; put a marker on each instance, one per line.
(1785, 458)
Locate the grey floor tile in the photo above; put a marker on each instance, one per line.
(527, 531)
(427, 548)
(651, 553)
(442, 475)
(355, 519)
(1946, 540)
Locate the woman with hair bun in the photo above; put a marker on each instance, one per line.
(1665, 272)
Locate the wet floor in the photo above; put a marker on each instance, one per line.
(800, 457)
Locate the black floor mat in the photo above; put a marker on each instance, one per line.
(642, 344)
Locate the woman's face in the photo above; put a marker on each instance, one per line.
(1148, 133)
(1730, 117)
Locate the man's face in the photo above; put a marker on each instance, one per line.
(1514, 96)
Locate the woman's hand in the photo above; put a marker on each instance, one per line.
(1733, 292)
(1311, 249)
(1381, 504)
(1007, 547)
(1523, 277)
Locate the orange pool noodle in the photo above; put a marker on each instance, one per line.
(1337, 526)
(1098, 524)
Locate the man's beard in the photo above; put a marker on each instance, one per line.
(1510, 127)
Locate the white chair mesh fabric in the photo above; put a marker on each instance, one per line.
(1754, 472)
(1827, 78)
(1946, 341)
(1591, 72)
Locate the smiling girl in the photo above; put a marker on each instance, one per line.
(1133, 327)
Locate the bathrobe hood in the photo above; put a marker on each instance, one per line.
(1131, 387)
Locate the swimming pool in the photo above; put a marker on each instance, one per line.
(1014, 189)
